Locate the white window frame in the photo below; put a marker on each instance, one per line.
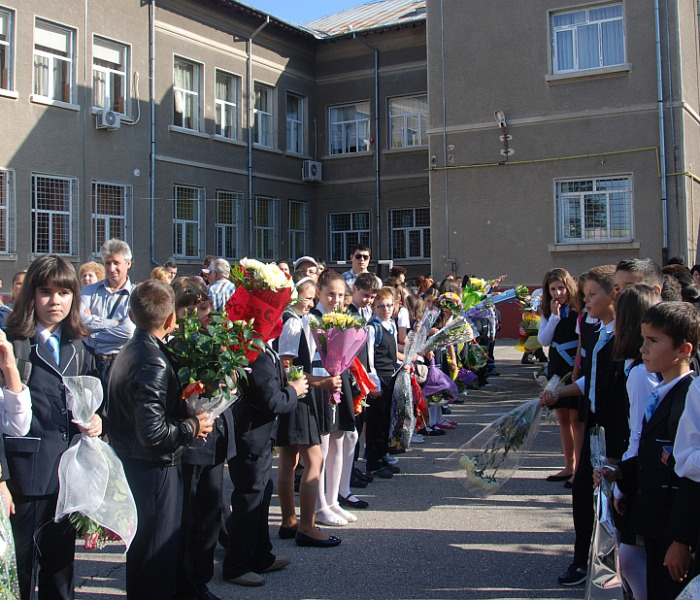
(575, 31)
(407, 234)
(227, 233)
(7, 212)
(123, 194)
(183, 96)
(70, 216)
(264, 120)
(341, 241)
(296, 130)
(110, 73)
(266, 234)
(185, 228)
(7, 46)
(45, 82)
(227, 109)
(349, 135)
(298, 236)
(401, 133)
(573, 209)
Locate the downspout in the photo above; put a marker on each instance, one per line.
(377, 147)
(662, 142)
(152, 102)
(251, 124)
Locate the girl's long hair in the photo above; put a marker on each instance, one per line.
(46, 269)
(630, 307)
(570, 284)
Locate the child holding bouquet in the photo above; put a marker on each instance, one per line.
(46, 331)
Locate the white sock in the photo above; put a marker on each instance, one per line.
(348, 516)
(349, 441)
(321, 497)
(334, 467)
(434, 414)
(633, 567)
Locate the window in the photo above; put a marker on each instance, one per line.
(265, 228)
(53, 61)
(54, 214)
(298, 228)
(410, 233)
(227, 205)
(348, 230)
(110, 209)
(186, 232)
(408, 122)
(295, 124)
(7, 242)
(588, 39)
(263, 115)
(594, 209)
(6, 46)
(186, 94)
(226, 105)
(110, 75)
(349, 128)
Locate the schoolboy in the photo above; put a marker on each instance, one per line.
(670, 331)
(150, 431)
(364, 290)
(633, 271)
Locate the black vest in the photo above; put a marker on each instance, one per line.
(384, 350)
(562, 351)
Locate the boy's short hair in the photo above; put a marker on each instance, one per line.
(328, 276)
(361, 248)
(678, 320)
(367, 282)
(152, 302)
(604, 276)
(645, 268)
(384, 294)
(189, 291)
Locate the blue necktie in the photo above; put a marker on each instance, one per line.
(52, 343)
(652, 404)
(603, 338)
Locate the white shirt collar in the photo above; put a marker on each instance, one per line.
(664, 388)
(43, 334)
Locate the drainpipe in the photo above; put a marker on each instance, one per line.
(377, 146)
(662, 142)
(251, 124)
(152, 102)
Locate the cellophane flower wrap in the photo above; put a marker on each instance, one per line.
(9, 581)
(493, 455)
(457, 331)
(263, 291)
(529, 328)
(477, 305)
(339, 338)
(93, 491)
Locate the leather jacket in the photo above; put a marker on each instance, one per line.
(147, 417)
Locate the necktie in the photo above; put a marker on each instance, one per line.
(652, 404)
(52, 343)
(603, 338)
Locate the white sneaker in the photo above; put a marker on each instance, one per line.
(392, 460)
(417, 438)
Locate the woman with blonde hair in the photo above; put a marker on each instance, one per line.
(90, 272)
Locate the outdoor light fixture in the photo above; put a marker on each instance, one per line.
(500, 117)
(505, 137)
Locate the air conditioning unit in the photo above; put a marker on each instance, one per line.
(108, 119)
(311, 171)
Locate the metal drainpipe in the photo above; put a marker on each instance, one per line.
(377, 146)
(662, 142)
(152, 102)
(251, 124)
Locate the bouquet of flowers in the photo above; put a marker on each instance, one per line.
(9, 581)
(339, 338)
(474, 292)
(263, 291)
(365, 385)
(477, 305)
(93, 491)
(529, 328)
(451, 302)
(455, 332)
(494, 454)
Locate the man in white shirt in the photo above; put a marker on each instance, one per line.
(360, 257)
(220, 286)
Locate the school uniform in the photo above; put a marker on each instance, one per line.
(559, 333)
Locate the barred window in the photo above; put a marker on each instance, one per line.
(410, 233)
(265, 227)
(186, 221)
(346, 231)
(110, 209)
(227, 208)
(298, 228)
(54, 214)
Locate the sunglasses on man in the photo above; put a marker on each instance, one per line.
(361, 256)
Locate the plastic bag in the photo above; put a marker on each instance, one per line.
(214, 406)
(403, 419)
(438, 381)
(475, 357)
(9, 583)
(494, 454)
(91, 476)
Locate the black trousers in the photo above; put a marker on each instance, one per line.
(582, 503)
(660, 585)
(249, 547)
(54, 553)
(201, 514)
(151, 562)
(378, 416)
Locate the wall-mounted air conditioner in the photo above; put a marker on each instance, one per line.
(108, 119)
(311, 171)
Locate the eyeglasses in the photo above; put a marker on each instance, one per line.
(361, 256)
(384, 306)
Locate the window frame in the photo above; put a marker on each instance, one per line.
(195, 94)
(225, 231)
(49, 80)
(180, 230)
(298, 247)
(261, 117)
(261, 232)
(404, 116)
(297, 125)
(7, 70)
(424, 230)
(127, 194)
(8, 204)
(348, 237)
(123, 104)
(72, 217)
(223, 107)
(345, 125)
(560, 214)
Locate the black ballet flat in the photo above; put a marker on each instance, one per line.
(306, 540)
(286, 533)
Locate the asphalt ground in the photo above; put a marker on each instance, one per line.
(422, 536)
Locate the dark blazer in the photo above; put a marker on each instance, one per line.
(33, 459)
(206, 453)
(147, 417)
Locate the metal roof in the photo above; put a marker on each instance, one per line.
(372, 15)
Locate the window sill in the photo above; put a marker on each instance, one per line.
(51, 102)
(267, 149)
(10, 256)
(405, 149)
(122, 116)
(588, 74)
(9, 94)
(227, 140)
(187, 260)
(298, 155)
(594, 247)
(347, 155)
(193, 132)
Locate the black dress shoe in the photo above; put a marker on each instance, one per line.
(306, 540)
(286, 533)
(356, 503)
